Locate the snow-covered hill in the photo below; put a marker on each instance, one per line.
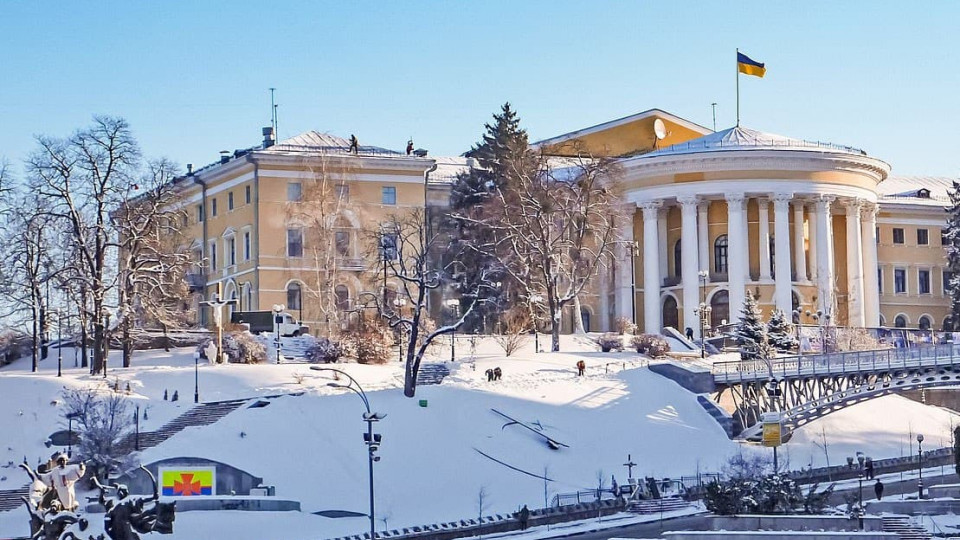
(310, 446)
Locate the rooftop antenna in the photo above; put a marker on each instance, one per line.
(714, 105)
(659, 131)
(273, 115)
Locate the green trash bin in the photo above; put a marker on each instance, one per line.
(423, 403)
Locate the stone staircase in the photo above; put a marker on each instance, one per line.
(655, 506)
(432, 374)
(292, 348)
(201, 415)
(906, 529)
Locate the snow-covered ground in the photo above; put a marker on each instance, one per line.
(432, 469)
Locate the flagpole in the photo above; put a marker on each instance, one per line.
(737, 66)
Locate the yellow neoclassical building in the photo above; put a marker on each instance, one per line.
(806, 226)
(298, 222)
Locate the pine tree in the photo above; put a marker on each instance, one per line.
(953, 254)
(780, 332)
(750, 334)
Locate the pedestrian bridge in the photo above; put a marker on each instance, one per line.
(808, 387)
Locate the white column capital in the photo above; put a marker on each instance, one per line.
(688, 200)
(650, 208)
(763, 203)
(823, 203)
(781, 201)
(735, 198)
(853, 207)
(869, 211)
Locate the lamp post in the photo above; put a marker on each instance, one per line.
(399, 303)
(454, 304)
(106, 339)
(860, 461)
(703, 275)
(371, 439)
(277, 310)
(535, 299)
(920, 465)
(796, 325)
(59, 344)
(196, 377)
(70, 417)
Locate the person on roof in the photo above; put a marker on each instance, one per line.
(409, 147)
(354, 144)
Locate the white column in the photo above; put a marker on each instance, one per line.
(689, 261)
(736, 250)
(764, 237)
(662, 239)
(814, 235)
(781, 220)
(798, 248)
(625, 284)
(855, 304)
(745, 226)
(825, 255)
(871, 294)
(703, 236)
(651, 267)
(603, 315)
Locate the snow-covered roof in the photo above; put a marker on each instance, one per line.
(314, 141)
(924, 190)
(741, 138)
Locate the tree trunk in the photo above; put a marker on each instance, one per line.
(126, 343)
(98, 348)
(35, 346)
(554, 326)
(44, 343)
(577, 317)
(166, 337)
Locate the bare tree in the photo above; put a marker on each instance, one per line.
(103, 418)
(554, 223)
(83, 178)
(153, 258)
(406, 256)
(516, 324)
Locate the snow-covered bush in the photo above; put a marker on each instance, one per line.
(369, 343)
(651, 345)
(238, 347)
(323, 351)
(623, 325)
(13, 345)
(770, 494)
(610, 342)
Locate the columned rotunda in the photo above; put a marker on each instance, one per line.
(792, 221)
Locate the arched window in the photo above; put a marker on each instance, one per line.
(720, 254)
(900, 322)
(293, 296)
(247, 297)
(671, 314)
(585, 317)
(343, 297)
(924, 323)
(720, 308)
(233, 307)
(948, 324)
(677, 259)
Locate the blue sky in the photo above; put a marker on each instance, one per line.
(193, 78)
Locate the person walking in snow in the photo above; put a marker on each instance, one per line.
(581, 367)
(489, 374)
(497, 373)
(524, 517)
(63, 477)
(878, 489)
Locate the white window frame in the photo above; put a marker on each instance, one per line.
(230, 205)
(287, 242)
(903, 236)
(929, 272)
(906, 281)
(247, 243)
(383, 195)
(299, 197)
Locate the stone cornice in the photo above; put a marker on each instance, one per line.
(754, 160)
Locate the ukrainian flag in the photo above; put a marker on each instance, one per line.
(749, 67)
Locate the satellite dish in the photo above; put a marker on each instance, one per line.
(659, 129)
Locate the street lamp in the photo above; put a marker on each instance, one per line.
(860, 461)
(920, 465)
(277, 318)
(454, 304)
(371, 439)
(535, 299)
(70, 418)
(196, 377)
(399, 303)
(59, 343)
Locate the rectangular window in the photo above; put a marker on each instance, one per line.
(230, 201)
(389, 195)
(899, 280)
(294, 243)
(923, 237)
(923, 281)
(246, 194)
(943, 237)
(213, 207)
(343, 243)
(246, 246)
(897, 236)
(343, 193)
(213, 256)
(880, 280)
(200, 213)
(294, 191)
(878, 235)
(947, 276)
(232, 251)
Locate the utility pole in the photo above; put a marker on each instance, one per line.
(714, 105)
(273, 114)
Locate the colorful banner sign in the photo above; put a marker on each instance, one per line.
(187, 481)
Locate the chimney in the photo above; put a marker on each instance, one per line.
(224, 156)
(189, 169)
(268, 137)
